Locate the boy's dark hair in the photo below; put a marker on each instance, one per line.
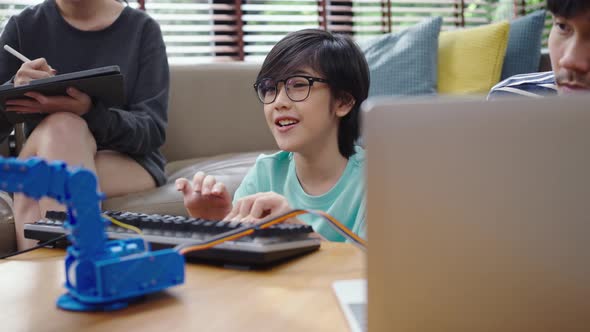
(338, 59)
(568, 8)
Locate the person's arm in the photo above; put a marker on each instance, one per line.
(141, 128)
(9, 65)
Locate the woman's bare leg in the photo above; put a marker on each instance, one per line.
(60, 136)
(64, 136)
(119, 174)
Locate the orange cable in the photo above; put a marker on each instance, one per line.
(232, 235)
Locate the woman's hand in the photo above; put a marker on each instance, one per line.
(33, 70)
(204, 197)
(76, 102)
(259, 206)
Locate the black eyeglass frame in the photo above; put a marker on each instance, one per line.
(310, 79)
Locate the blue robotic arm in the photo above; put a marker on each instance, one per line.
(101, 274)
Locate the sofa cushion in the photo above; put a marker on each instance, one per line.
(523, 53)
(470, 60)
(213, 110)
(404, 63)
(228, 168)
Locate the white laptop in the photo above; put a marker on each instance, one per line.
(352, 297)
(478, 215)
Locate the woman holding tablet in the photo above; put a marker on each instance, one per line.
(121, 144)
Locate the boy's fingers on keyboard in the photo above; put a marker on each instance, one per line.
(246, 206)
(220, 190)
(232, 215)
(249, 220)
(183, 185)
(198, 180)
(262, 204)
(269, 204)
(208, 184)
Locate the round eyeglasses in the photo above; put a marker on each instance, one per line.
(297, 88)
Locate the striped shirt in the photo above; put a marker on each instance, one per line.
(534, 85)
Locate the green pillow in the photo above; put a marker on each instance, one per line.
(405, 62)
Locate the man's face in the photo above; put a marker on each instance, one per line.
(569, 47)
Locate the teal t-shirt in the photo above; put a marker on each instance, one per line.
(346, 201)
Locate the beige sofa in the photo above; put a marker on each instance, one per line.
(215, 124)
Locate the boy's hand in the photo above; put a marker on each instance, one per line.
(259, 206)
(205, 197)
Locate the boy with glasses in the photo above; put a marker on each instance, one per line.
(569, 49)
(311, 85)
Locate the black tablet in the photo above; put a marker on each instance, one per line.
(105, 84)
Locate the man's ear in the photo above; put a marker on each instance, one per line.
(344, 104)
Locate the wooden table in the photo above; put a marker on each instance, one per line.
(296, 296)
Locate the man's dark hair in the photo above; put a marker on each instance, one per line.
(338, 59)
(568, 8)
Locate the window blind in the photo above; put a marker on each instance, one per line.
(234, 30)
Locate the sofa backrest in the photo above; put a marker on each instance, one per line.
(213, 109)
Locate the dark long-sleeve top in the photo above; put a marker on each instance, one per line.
(133, 42)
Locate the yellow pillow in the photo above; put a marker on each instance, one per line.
(470, 60)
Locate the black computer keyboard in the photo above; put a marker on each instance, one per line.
(264, 247)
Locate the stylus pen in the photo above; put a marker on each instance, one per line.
(16, 53)
(22, 57)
